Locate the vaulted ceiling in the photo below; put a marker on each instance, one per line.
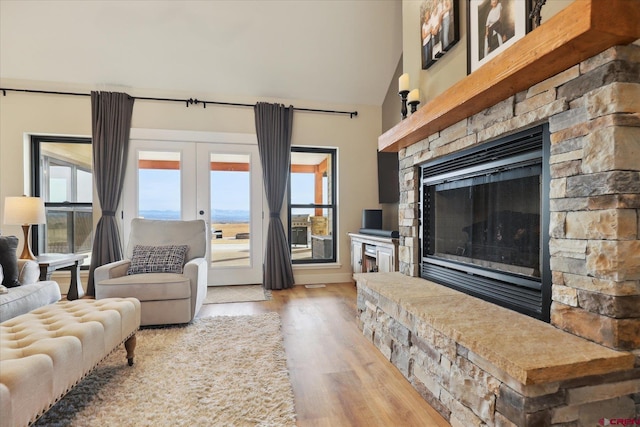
(334, 51)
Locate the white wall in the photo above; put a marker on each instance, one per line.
(22, 114)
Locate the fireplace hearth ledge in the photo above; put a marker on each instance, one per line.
(528, 350)
(445, 342)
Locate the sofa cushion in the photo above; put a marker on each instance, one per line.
(23, 299)
(9, 261)
(157, 259)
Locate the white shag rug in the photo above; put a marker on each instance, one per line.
(217, 371)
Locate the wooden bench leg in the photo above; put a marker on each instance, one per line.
(130, 346)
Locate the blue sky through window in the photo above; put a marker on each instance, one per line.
(160, 191)
(302, 187)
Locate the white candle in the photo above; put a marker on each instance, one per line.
(403, 82)
(414, 95)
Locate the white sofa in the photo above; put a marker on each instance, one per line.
(166, 297)
(32, 294)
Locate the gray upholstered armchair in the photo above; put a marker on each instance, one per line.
(164, 267)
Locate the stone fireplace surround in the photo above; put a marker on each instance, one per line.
(593, 113)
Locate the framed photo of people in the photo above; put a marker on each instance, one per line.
(493, 26)
(439, 29)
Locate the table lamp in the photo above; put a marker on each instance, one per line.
(24, 211)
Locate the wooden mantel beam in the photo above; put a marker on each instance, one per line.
(581, 30)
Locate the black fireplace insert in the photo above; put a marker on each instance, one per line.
(485, 222)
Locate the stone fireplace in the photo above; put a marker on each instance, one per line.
(480, 364)
(592, 113)
(484, 216)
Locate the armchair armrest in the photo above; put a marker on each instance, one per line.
(197, 271)
(195, 268)
(111, 270)
(28, 271)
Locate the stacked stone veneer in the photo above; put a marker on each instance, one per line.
(593, 111)
(489, 371)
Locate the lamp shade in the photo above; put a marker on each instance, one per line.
(24, 210)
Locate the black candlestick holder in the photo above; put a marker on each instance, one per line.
(403, 95)
(414, 105)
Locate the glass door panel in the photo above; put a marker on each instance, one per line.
(159, 185)
(233, 198)
(230, 208)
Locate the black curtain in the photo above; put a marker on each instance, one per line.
(273, 127)
(111, 126)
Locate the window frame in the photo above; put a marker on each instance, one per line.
(332, 204)
(38, 190)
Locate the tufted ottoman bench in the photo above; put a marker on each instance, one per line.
(45, 352)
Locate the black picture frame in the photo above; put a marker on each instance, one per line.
(439, 29)
(493, 26)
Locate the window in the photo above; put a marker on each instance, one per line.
(312, 205)
(63, 176)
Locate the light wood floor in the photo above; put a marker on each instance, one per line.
(339, 378)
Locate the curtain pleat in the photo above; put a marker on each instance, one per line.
(273, 128)
(111, 126)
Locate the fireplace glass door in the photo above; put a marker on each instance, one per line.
(491, 221)
(485, 219)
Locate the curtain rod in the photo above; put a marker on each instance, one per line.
(190, 101)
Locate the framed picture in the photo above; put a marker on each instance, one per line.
(439, 29)
(492, 26)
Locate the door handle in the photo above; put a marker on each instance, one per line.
(201, 212)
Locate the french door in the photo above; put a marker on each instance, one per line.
(194, 175)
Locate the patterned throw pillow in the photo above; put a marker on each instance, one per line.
(157, 259)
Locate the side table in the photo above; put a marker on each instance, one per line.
(69, 262)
